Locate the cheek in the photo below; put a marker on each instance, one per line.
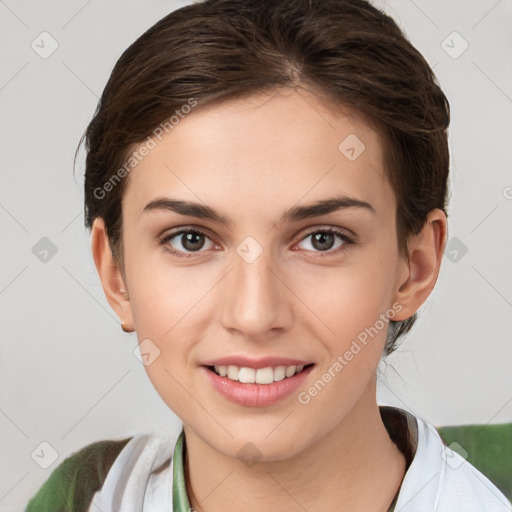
(167, 308)
(171, 379)
(354, 305)
(165, 299)
(347, 299)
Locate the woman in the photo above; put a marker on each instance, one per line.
(266, 189)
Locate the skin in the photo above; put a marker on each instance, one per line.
(251, 159)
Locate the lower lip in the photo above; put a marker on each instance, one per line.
(256, 395)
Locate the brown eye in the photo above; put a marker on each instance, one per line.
(323, 240)
(185, 241)
(192, 241)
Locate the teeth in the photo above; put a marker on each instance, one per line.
(290, 371)
(232, 372)
(260, 376)
(247, 375)
(263, 375)
(279, 373)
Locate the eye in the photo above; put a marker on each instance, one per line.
(183, 243)
(190, 240)
(322, 240)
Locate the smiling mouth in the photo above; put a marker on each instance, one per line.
(266, 375)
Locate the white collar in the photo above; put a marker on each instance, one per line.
(140, 478)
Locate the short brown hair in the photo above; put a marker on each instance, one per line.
(347, 50)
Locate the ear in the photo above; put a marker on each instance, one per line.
(111, 275)
(416, 278)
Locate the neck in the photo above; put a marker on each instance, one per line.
(356, 466)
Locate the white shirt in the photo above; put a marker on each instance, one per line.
(438, 479)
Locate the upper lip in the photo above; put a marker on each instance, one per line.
(262, 362)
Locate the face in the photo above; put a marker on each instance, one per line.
(274, 280)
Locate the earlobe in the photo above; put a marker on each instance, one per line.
(417, 278)
(110, 275)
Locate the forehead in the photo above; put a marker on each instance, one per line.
(262, 151)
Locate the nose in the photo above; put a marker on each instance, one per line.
(256, 299)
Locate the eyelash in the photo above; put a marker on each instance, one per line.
(343, 236)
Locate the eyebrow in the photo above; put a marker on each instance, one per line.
(294, 214)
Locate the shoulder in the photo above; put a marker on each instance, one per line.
(466, 487)
(471, 446)
(442, 480)
(488, 447)
(72, 483)
(141, 475)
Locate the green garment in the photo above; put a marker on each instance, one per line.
(72, 484)
(179, 489)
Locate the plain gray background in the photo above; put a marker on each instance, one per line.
(68, 375)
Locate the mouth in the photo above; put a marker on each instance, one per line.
(267, 375)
